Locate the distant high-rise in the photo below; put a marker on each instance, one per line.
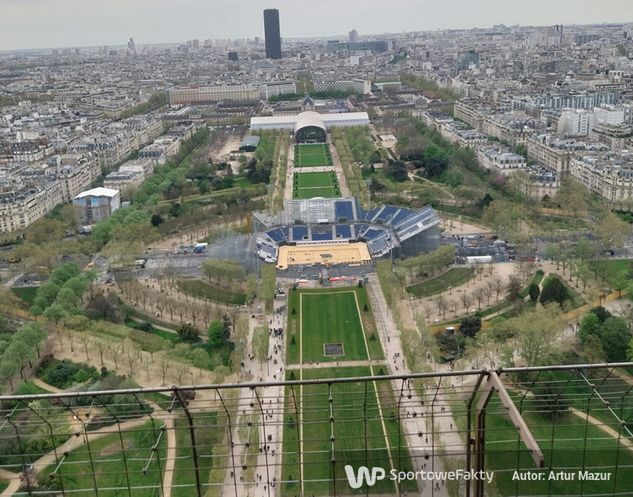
(554, 35)
(353, 36)
(131, 44)
(467, 59)
(272, 34)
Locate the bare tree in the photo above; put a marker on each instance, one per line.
(442, 306)
(466, 301)
(102, 346)
(164, 366)
(479, 294)
(132, 354)
(487, 293)
(181, 371)
(497, 285)
(115, 352)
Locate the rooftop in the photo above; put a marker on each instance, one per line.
(98, 192)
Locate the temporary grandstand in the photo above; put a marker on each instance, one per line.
(310, 122)
(320, 221)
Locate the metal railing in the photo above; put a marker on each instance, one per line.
(297, 437)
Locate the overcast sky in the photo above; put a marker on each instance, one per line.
(68, 23)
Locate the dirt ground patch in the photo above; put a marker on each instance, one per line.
(222, 151)
(115, 447)
(456, 227)
(454, 301)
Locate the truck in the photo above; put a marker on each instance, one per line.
(200, 247)
(479, 259)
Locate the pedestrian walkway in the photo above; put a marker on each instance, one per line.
(430, 425)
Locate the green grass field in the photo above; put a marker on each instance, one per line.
(614, 270)
(325, 192)
(202, 289)
(312, 155)
(336, 316)
(359, 439)
(27, 293)
(576, 299)
(109, 469)
(453, 277)
(207, 435)
(575, 446)
(318, 317)
(312, 180)
(309, 185)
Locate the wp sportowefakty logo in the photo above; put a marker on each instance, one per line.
(364, 475)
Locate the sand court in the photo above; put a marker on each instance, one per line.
(326, 254)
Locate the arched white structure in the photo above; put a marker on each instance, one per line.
(310, 128)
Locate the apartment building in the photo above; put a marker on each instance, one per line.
(615, 136)
(22, 205)
(361, 86)
(198, 94)
(610, 175)
(500, 159)
(75, 173)
(470, 112)
(512, 129)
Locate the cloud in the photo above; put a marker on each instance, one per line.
(54, 23)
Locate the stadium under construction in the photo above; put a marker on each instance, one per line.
(321, 226)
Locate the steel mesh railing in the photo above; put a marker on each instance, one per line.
(296, 437)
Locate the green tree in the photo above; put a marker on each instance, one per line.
(188, 333)
(533, 332)
(592, 350)
(434, 161)
(200, 358)
(470, 326)
(55, 313)
(554, 290)
(514, 288)
(260, 344)
(615, 338)
(589, 326)
(612, 231)
(268, 285)
(67, 299)
(45, 230)
(534, 292)
(573, 197)
(505, 217)
(219, 334)
(602, 313)
(397, 169)
(550, 396)
(9, 367)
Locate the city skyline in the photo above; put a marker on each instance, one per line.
(26, 25)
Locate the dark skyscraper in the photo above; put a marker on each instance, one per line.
(271, 31)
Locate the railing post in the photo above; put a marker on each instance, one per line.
(192, 433)
(469, 422)
(228, 416)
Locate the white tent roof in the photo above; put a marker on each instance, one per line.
(98, 192)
